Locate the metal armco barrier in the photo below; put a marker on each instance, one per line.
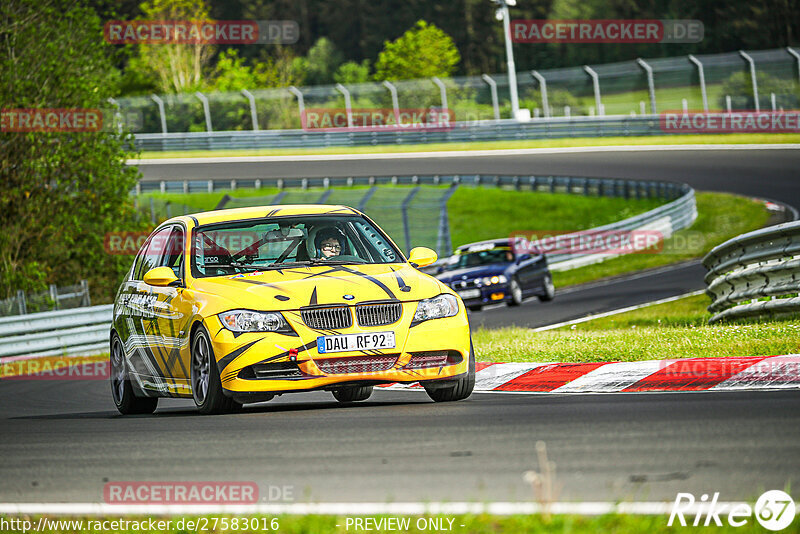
(71, 332)
(757, 273)
(502, 130)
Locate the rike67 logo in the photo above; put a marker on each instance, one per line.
(774, 510)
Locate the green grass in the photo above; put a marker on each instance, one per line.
(720, 216)
(689, 139)
(472, 524)
(677, 329)
(475, 213)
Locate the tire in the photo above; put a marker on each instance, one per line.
(475, 307)
(121, 389)
(548, 289)
(516, 292)
(206, 386)
(461, 388)
(352, 393)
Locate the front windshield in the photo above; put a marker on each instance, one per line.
(464, 259)
(271, 243)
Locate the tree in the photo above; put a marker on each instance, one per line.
(178, 67)
(320, 63)
(60, 193)
(352, 72)
(423, 51)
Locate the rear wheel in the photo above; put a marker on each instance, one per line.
(352, 394)
(548, 288)
(461, 388)
(206, 385)
(516, 292)
(121, 389)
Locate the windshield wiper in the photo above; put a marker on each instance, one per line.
(234, 264)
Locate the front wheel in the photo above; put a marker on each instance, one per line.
(206, 385)
(548, 288)
(461, 388)
(121, 389)
(475, 307)
(352, 394)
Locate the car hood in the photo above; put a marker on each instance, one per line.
(295, 287)
(473, 272)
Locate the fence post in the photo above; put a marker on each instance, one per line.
(797, 58)
(752, 65)
(253, 114)
(701, 74)
(152, 211)
(443, 244)
(596, 83)
(404, 210)
(543, 90)
(442, 90)
(54, 295)
(206, 110)
(342, 89)
(395, 102)
(301, 106)
(21, 303)
(117, 114)
(87, 300)
(651, 87)
(161, 112)
(493, 89)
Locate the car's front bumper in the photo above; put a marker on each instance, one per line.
(493, 294)
(238, 355)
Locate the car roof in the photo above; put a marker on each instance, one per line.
(257, 212)
(504, 242)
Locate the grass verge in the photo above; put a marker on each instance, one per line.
(677, 329)
(690, 139)
(720, 216)
(323, 524)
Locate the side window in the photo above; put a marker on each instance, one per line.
(152, 252)
(173, 255)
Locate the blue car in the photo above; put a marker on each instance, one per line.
(490, 272)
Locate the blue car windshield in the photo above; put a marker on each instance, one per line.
(483, 257)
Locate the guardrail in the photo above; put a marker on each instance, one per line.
(65, 332)
(754, 274)
(502, 130)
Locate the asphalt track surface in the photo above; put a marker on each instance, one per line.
(61, 441)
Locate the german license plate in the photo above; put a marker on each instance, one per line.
(348, 342)
(469, 294)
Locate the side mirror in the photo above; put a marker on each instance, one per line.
(422, 256)
(523, 257)
(160, 276)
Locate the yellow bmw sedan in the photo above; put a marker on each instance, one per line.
(236, 306)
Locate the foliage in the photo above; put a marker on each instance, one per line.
(320, 64)
(177, 67)
(60, 193)
(423, 51)
(352, 72)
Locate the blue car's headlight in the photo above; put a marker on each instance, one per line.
(491, 280)
(253, 321)
(443, 305)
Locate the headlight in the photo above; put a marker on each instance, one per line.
(491, 280)
(442, 306)
(253, 321)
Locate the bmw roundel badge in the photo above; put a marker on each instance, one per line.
(348, 297)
